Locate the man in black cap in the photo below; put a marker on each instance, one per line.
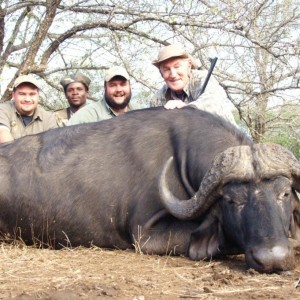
(76, 88)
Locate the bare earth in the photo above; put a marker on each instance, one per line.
(29, 273)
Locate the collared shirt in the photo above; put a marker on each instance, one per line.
(97, 111)
(42, 120)
(212, 100)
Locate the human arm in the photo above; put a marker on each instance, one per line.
(50, 121)
(93, 112)
(7, 122)
(80, 117)
(159, 98)
(213, 100)
(5, 135)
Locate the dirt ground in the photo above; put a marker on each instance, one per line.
(30, 273)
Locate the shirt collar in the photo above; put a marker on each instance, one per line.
(109, 110)
(186, 88)
(37, 113)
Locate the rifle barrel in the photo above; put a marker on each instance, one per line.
(213, 62)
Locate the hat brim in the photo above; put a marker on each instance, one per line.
(32, 82)
(109, 78)
(157, 63)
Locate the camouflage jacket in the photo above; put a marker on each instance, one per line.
(212, 100)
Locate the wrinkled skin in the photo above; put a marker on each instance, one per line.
(255, 220)
(98, 184)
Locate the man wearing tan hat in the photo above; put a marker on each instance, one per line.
(22, 116)
(116, 100)
(183, 84)
(76, 88)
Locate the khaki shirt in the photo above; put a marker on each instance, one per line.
(10, 117)
(97, 111)
(62, 116)
(212, 100)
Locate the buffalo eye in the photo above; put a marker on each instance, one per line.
(285, 194)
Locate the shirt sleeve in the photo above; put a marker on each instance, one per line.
(154, 101)
(213, 100)
(50, 121)
(158, 99)
(4, 127)
(134, 105)
(83, 115)
(5, 119)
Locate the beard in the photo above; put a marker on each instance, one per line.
(111, 102)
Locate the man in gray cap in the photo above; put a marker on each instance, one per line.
(22, 116)
(183, 84)
(116, 100)
(76, 88)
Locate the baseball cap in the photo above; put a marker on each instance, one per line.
(78, 77)
(116, 71)
(170, 52)
(26, 78)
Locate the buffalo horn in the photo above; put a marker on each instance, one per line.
(241, 163)
(232, 164)
(274, 160)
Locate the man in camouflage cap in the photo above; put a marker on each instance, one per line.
(76, 88)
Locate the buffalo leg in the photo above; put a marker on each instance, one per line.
(169, 237)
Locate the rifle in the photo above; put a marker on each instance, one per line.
(213, 62)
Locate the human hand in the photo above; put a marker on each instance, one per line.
(171, 104)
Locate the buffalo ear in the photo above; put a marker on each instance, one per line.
(208, 238)
(295, 222)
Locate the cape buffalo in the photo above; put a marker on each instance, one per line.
(118, 184)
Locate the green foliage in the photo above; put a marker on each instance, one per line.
(289, 141)
(285, 129)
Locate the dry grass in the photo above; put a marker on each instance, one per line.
(98, 274)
